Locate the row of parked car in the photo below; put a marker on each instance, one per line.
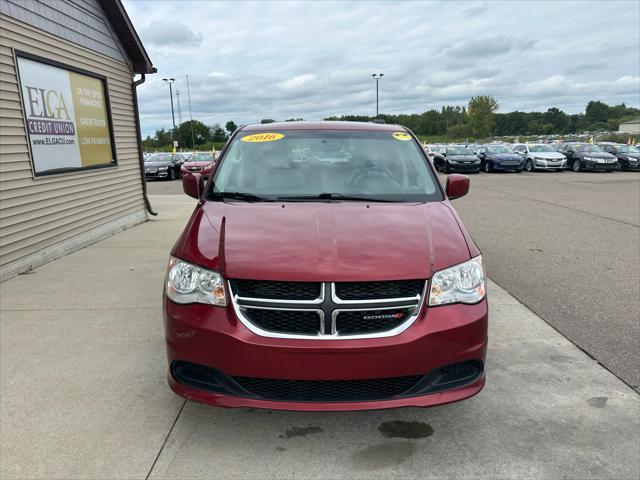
(169, 166)
(577, 156)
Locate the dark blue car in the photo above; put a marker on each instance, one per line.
(500, 158)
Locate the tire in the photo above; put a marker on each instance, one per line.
(577, 166)
(487, 167)
(528, 166)
(519, 170)
(172, 174)
(447, 168)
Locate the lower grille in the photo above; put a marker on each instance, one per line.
(440, 379)
(358, 322)
(301, 322)
(327, 390)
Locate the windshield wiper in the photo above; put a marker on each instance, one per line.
(332, 196)
(247, 197)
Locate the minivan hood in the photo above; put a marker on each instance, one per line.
(337, 241)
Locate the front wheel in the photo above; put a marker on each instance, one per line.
(577, 166)
(529, 166)
(172, 174)
(519, 170)
(487, 167)
(447, 168)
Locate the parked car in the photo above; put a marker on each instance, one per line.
(199, 162)
(431, 151)
(163, 165)
(628, 156)
(540, 156)
(456, 158)
(500, 157)
(588, 156)
(311, 282)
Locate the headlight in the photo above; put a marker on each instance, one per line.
(462, 283)
(163, 169)
(187, 283)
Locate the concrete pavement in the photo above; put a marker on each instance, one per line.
(83, 393)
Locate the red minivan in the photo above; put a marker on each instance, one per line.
(324, 268)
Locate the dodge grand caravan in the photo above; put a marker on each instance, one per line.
(324, 268)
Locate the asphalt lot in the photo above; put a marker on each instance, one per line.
(84, 393)
(567, 245)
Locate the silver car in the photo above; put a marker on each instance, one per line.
(540, 156)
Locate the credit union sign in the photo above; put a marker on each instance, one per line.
(66, 115)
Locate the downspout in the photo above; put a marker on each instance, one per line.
(134, 87)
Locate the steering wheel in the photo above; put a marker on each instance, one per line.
(362, 173)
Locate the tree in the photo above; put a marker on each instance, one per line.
(200, 133)
(218, 134)
(460, 131)
(597, 112)
(231, 127)
(480, 113)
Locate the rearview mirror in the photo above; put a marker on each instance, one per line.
(457, 186)
(193, 185)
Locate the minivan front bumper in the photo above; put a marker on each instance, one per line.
(215, 342)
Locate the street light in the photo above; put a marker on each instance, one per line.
(170, 82)
(377, 77)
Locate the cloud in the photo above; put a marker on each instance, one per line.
(170, 34)
(488, 46)
(312, 60)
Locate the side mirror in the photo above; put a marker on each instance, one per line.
(193, 185)
(444, 154)
(457, 186)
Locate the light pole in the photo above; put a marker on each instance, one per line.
(170, 82)
(377, 77)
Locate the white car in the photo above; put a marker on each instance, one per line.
(540, 156)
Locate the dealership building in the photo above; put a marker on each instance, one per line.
(70, 152)
(630, 127)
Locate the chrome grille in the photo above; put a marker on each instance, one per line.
(318, 311)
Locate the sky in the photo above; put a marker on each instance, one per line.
(252, 60)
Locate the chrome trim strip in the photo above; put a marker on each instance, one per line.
(417, 302)
(339, 301)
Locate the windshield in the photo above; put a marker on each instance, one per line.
(200, 157)
(628, 149)
(323, 165)
(499, 149)
(159, 157)
(458, 151)
(588, 148)
(540, 148)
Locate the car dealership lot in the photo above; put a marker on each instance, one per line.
(84, 392)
